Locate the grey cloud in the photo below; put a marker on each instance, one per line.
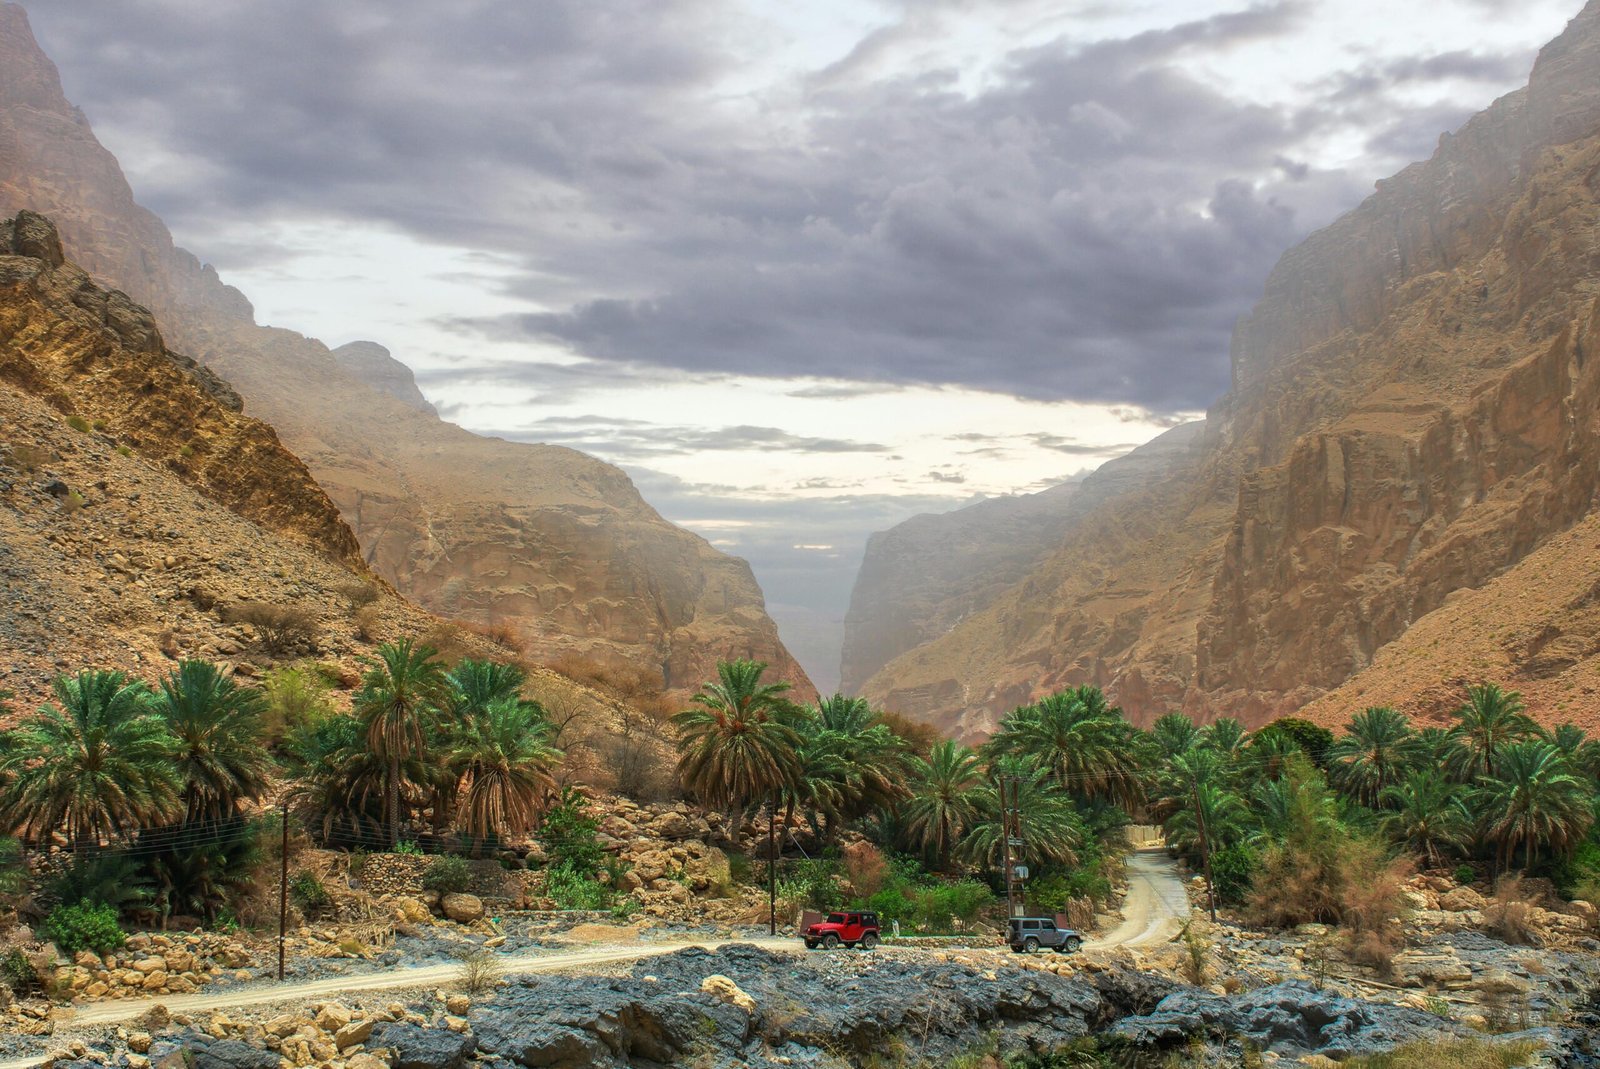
(1038, 238)
(626, 439)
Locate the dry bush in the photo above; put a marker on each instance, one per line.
(865, 868)
(450, 640)
(480, 971)
(29, 458)
(1372, 905)
(639, 756)
(368, 622)
(1473, 1053)
(279, 628)
(922, 737)
(1509, 915)
(505, 635)
(358, 593)
(1196, 962)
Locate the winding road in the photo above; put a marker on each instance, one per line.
(1154, 909)
(1157, 903)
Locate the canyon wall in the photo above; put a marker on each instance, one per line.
(1411, 418)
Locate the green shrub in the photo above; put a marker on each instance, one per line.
(572, 889)
(446, 874)
(570, 836)
(17, 972)
(78, 423)
(810, 884)
(1234, 870)
(1466, 875)
(307, 892)
(407, 848)
(84, 926)
(124, 451)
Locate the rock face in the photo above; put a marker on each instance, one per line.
(139, 506)
(921, 577)
(546, 541)
(1412, 422)
(93, 354)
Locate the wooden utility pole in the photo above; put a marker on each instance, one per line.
(283, 885)
(772, 866)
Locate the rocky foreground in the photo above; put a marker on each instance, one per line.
(745, 1006)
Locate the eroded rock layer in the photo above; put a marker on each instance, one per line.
(1412, 416)
(544, 541)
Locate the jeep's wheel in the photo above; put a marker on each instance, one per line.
(1072, 945)
(869, 941)
(830, 942)
(1015, 949)
(1030, 944)
(811, 944)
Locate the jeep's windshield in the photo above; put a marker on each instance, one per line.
(836, 918)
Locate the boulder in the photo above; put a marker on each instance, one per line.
(462, 908)
(416, 1047)
(1422, 968)
(720, 987)
(353, 1033)
(1460, 900)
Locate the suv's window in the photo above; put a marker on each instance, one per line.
(1048, 926)
(836, 918)
(855, 918)
(1030, 925)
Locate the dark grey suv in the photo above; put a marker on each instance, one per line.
(1025, 934)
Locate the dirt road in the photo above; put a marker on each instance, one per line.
(1157, 903)
(1154, 909)
(426, 976)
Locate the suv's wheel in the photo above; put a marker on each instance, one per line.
(1072, 945)
(1015, 949)
(1030, 944)
(830, 942)
(869, 940)
(811, 944)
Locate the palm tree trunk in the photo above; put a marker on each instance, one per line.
(392, 803)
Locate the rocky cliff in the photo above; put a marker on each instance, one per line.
(1412, 416)
(542, 540)
(139, 508)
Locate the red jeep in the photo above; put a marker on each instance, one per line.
(851, 929)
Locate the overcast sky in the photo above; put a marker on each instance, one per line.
(802, 269)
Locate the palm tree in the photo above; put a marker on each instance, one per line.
(943, 803)
(217, 725)
(1436, 748)
(1212, 811)
(1533, 799)
(1428, 812)
(470, 688)
(400, 695)
(96, 763)
(1173, 734)
(505, 756)
(339, 784)
(738, 746)
(1491, 720)
(1083, 744)
(1050, 828)
(1227, 736)
(1582, 752)
(1375, 754)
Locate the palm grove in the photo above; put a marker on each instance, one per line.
(149, 799)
